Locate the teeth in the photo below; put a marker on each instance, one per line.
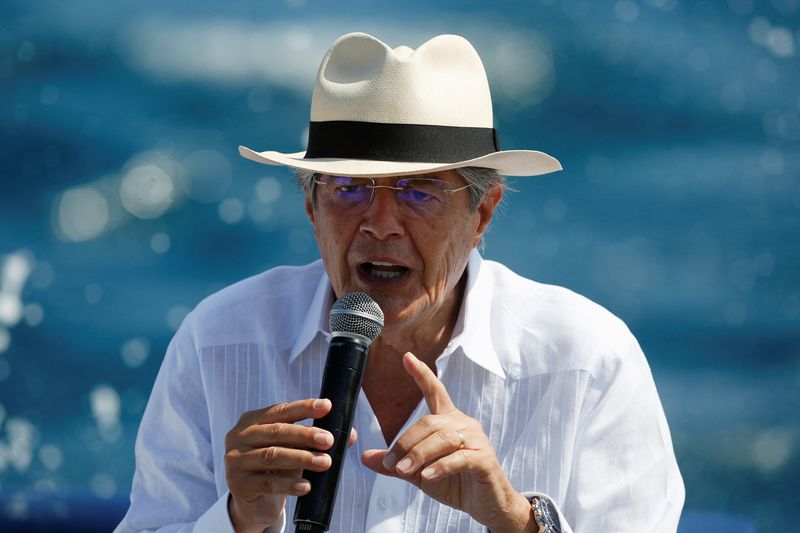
(384, 270)
(385, 274)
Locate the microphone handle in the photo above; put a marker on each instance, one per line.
(341, 383)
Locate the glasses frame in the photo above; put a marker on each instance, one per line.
(394, 187)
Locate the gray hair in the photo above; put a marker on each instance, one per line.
(480, 179)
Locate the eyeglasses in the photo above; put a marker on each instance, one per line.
(423, 197)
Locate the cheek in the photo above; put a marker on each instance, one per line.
(333, 247)
(445, 264)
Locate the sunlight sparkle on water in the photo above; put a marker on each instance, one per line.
(83, 214)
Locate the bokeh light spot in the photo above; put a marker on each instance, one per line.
(766, 70)
(5, 339)
(10, 309)
(42, 275)
(17, 507)
(258, 211)
(147, 191)
(93, 293)
(626, 11)
(772, 161)
(51, 457)
(133, 401)
(759, 30)
(780, 42)
(105, 406)
(134, 352)
(732, 98)
(34, 314)
(16, 268)
(741, 7)
(772, 448)
(160, 243)
(268, 190)
(175, 316)
(103, 486)
(663, 5)
(82, 214)
(231, 210)
(555, 210)
(49, 95)
(26, 51)
(22, 436)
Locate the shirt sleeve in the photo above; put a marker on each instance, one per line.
(174, 487)
(625, 477)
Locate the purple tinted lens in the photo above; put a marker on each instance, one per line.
(420, 192)
(350, 192)
(414, 196)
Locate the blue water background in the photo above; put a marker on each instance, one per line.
(677, 122)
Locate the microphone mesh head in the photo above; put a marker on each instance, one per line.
(356, 312)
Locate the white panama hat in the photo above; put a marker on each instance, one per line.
(378, 111)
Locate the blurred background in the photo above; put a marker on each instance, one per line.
(123, 203)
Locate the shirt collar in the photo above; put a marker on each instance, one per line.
(316, 320)
(473, 329)
(472, 332)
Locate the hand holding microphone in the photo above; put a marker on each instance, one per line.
(266, 453)
(269, 456)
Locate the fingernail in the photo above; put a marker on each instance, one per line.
(302, 486)
(323, 439)
(389, 460)
(404, 466)
(429, 473)
(319, 404)
(320, 460)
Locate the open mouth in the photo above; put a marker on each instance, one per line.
(381, 270)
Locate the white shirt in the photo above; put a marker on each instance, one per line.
(558, 383)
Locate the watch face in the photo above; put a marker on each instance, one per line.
(546, 516)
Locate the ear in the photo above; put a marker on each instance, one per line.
(485, 212)
(310, 210)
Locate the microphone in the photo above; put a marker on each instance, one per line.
(355, 321)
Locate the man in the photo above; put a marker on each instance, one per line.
(489, 401)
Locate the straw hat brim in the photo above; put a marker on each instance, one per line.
(506, 162)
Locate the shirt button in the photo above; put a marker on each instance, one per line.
(384, 502)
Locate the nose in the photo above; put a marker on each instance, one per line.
(383, 219)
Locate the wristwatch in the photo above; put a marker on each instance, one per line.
(545, 515)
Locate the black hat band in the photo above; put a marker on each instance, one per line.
(419, 143)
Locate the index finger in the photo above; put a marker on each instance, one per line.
(433, 390)
(289, 411)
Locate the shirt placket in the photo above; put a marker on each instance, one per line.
(390, 496)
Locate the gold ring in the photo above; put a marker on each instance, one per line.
(461, 440)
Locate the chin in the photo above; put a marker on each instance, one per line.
(397, 312)
(399, 315)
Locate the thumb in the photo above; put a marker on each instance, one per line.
(373, 459)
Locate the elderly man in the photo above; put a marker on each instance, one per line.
(489, 401)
